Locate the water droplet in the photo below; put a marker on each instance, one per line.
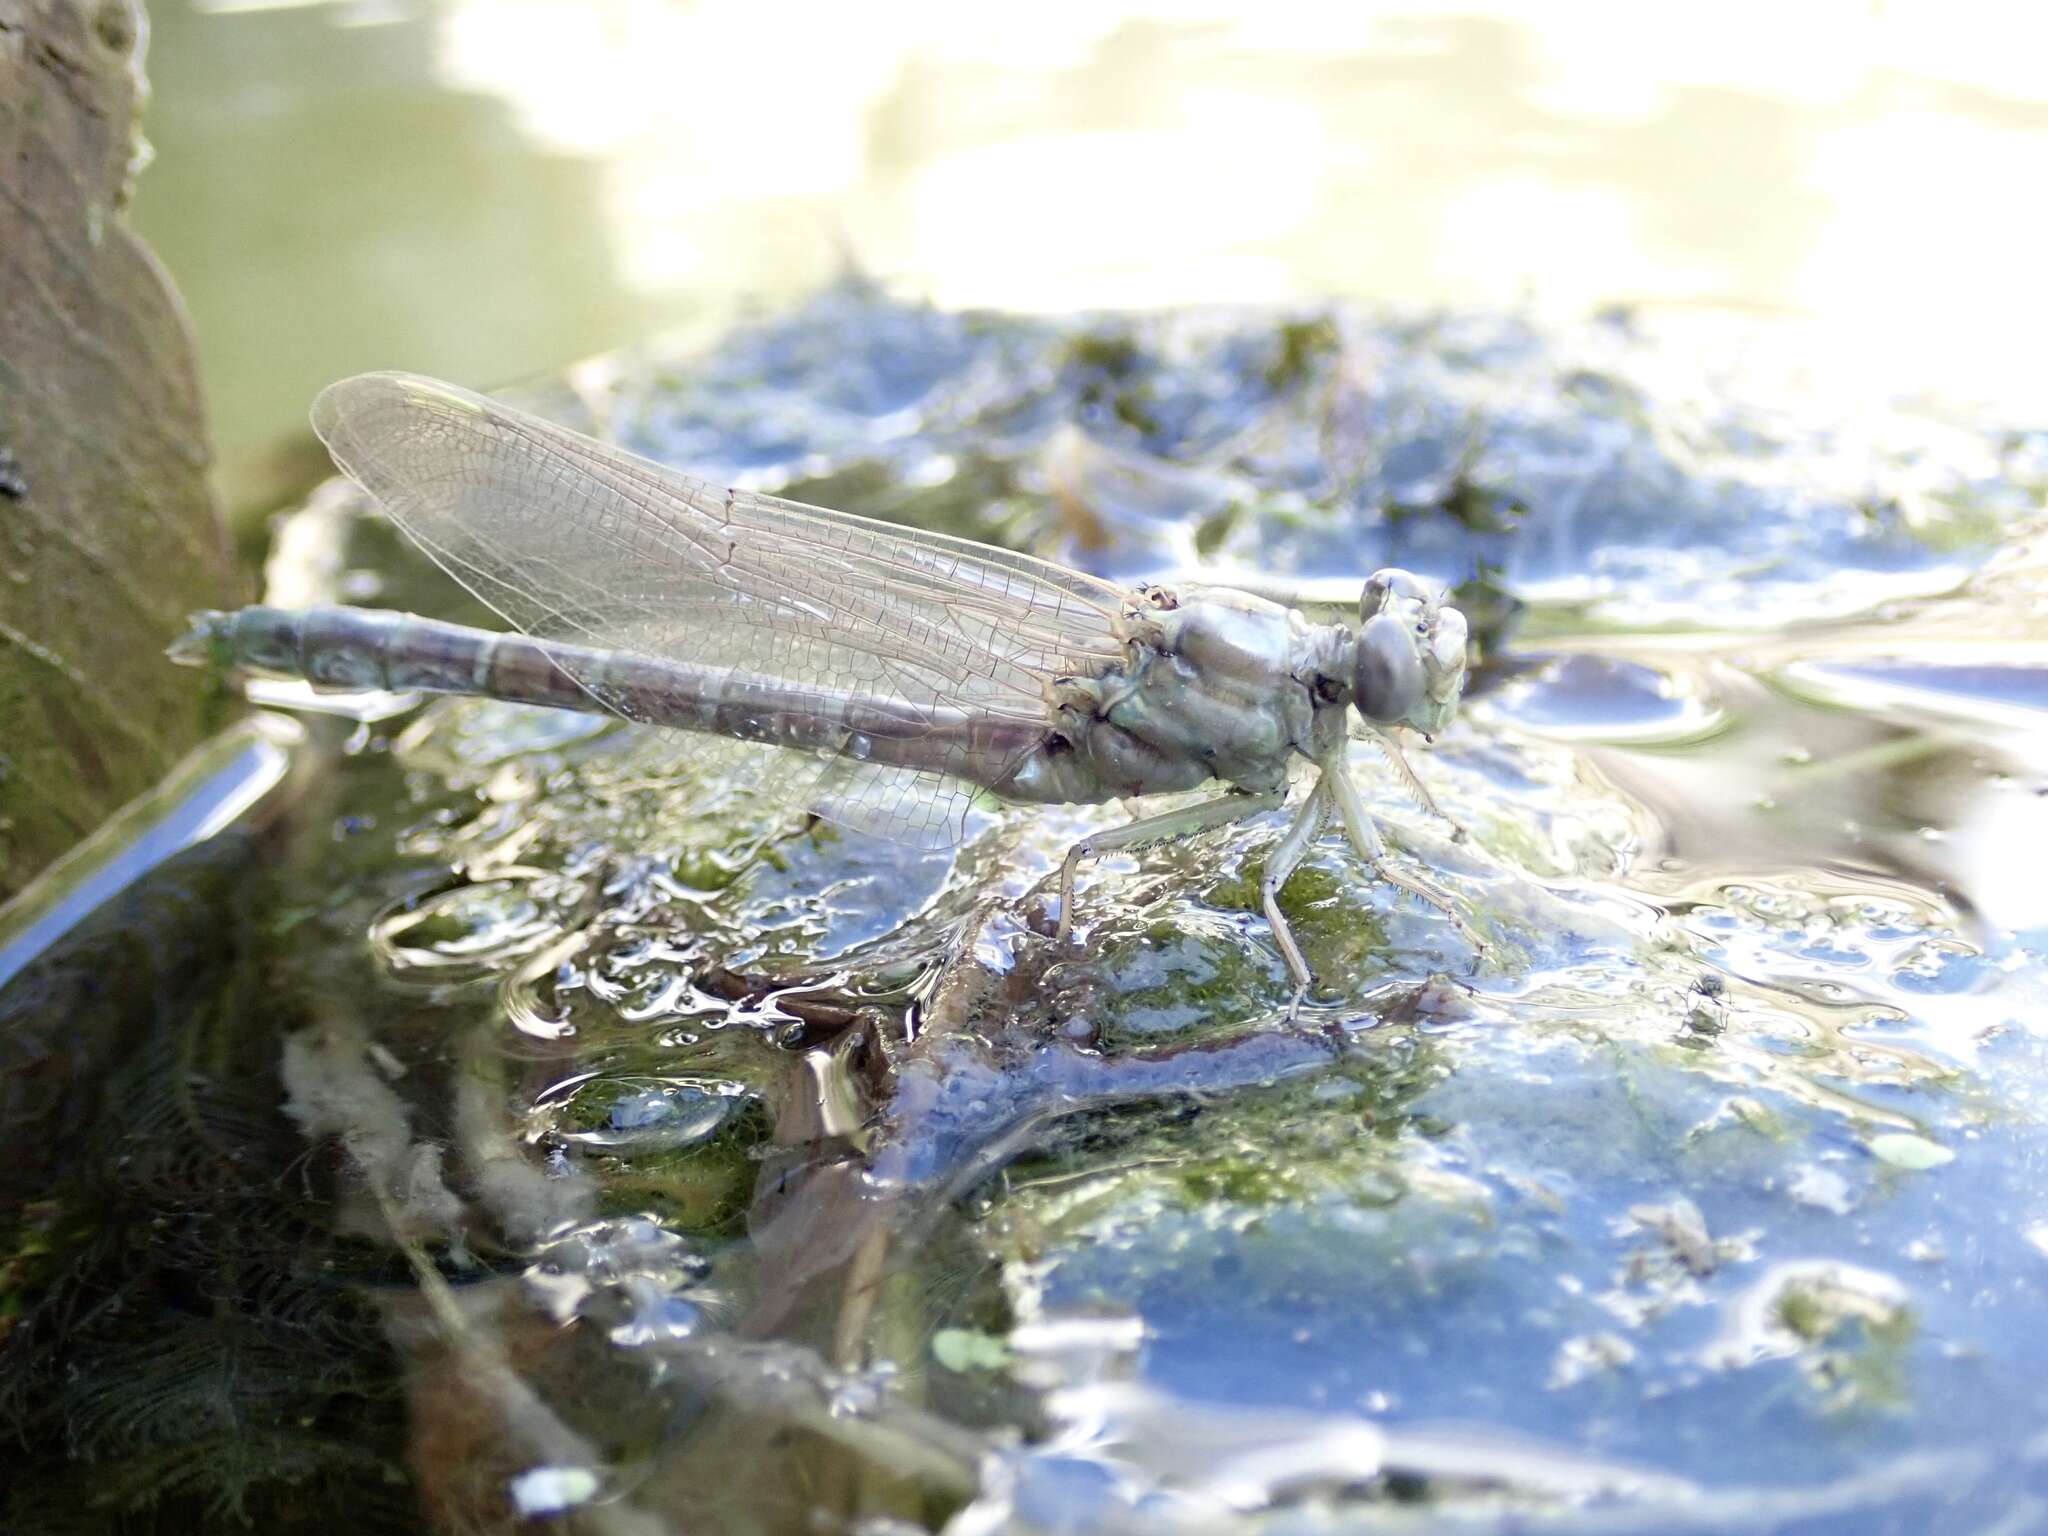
(642, 1115)
(1902, 1149)
(552, 1490)
(474, 927)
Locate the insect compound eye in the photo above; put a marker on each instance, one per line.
(1388, 673)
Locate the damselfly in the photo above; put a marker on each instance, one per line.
(893, 677)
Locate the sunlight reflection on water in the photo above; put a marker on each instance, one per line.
(527, 180)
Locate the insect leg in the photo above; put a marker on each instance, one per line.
(1388, 743)
(1164, 828)
(1365, 837)
(1286, 856)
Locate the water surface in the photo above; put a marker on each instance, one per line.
(486, 190)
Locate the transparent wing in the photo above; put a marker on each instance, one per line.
(919, 808)
(577, 541)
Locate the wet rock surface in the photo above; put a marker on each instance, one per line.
(731, 1172)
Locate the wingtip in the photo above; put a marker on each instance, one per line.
(351, 399)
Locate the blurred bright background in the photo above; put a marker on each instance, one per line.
(491, 189)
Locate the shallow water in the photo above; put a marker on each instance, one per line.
(356, 176)
(649, 1155)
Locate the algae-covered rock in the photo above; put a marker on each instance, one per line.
(108, 533)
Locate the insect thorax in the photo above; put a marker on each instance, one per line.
(1214, 684)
